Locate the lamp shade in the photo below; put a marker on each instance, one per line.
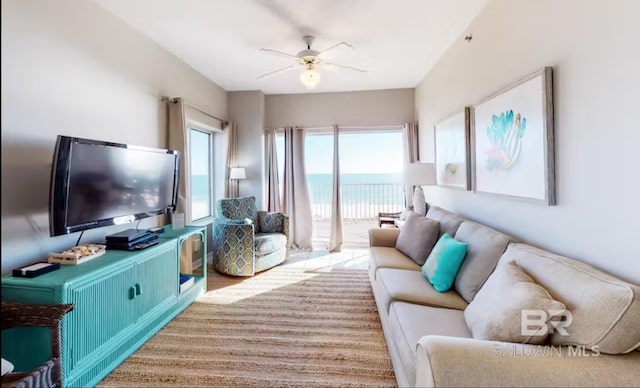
(417, 174)
(237, 173)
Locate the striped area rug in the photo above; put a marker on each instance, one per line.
(285, 327)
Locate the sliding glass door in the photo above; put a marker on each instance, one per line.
(371, 163)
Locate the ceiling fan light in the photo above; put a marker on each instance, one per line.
(310, 78)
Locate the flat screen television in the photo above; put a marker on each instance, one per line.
(96, 183)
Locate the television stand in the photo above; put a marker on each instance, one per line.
(121, 299)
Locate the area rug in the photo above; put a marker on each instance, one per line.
(286, 327)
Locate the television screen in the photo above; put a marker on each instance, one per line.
(97, 183)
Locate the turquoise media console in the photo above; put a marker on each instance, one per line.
(120, 299)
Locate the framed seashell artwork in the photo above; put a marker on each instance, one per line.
(512, 135)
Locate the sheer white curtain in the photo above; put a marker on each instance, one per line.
(231, 139)
(336, 237)
(295, 202)
(410, 141)
(273, 185)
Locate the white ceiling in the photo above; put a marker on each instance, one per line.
(397, 41)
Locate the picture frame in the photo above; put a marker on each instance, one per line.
(452, 150)
(513, 141)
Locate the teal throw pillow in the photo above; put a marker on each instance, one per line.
(443, 262)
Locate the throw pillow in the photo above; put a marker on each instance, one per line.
(495, 313)
(443, 263)
(417, 237)
(405, 212)
(7, 367)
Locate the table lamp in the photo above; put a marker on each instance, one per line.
(416, 175)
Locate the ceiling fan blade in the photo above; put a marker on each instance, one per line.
(335, 46)
(290, 67)
(343, 66)
(279, 53)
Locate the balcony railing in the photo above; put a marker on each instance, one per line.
(360, 201)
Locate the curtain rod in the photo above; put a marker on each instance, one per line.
(347, 127)
(357, 127)
(168, 99)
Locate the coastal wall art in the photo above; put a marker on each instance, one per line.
(513, 147)
(452, 150)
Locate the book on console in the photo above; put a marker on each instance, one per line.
(186, 281)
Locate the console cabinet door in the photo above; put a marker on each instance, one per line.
(103, 308)
(156, 282)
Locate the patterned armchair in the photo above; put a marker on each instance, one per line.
(247, 241)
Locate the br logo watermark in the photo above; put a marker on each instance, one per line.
(539, 323)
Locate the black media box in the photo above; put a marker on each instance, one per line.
(134, 245)
(127, 236)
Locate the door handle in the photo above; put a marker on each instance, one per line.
(138, 289)
(132, 293)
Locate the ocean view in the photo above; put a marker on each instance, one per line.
(363, 195)
(355, 178)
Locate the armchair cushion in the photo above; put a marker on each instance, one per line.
(238, 208)
(265, 243)
(271, 222)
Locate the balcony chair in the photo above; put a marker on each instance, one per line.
(247, 241)
(49, 374)
(390, 218)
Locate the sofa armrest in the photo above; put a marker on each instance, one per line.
(463, 362)
(383, 237)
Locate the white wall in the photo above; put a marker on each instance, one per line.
(247, 110)
(366, 108)
(593, 48)
(71, 68)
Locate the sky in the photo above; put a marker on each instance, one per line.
(360, 153)
(199, 143)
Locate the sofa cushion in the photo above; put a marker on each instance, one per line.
(605, 310)
(417, 237)
(385, 257)
(443, 262)
(265, 243)
(495, 314)
(410, 322)
(449, 222)
(485, 246)
(411, 286)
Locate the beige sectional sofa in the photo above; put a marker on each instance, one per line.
(431, 345)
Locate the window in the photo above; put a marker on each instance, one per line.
(201, 156)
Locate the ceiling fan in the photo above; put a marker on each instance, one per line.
(309, 60)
